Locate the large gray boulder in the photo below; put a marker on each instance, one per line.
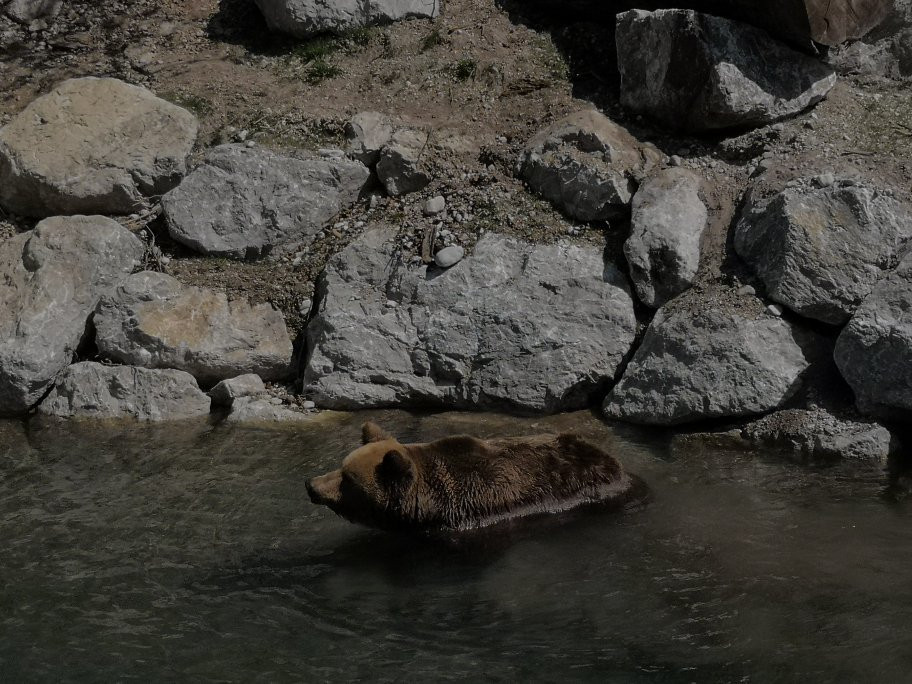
(93, 145)
(50, 281)
(698, 72)
(667, 224)
(874, 351)
(306, 18)
(246, 202)
(532, 328)
(820, 250)
(94, 390)
(154, 321)
(587, 165)
(707, 360)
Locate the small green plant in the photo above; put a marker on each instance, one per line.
(360, 37)
(465, 69)
(318, 48)
(320, 70)
(432, 40)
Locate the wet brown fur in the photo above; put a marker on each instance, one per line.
(460, 483)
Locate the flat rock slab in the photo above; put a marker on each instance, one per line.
(531, 328)
(586, 165)
(874, 351)
(244, 203)
(820, 250)
(50, 281)
(822, 436)
(252, 410)
(697, 72)
(666, 226)
(93, 145)
(306, 18)
(154, 321)
(699, 362)
(94, 390)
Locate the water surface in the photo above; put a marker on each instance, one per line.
(192, 554)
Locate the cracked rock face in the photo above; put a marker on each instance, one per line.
(697, 72)
(93, 390)
(93, 145)
(666, 226)
(306, 18)
(246, 203)
(153, 321)
(820, 250)
(532, 328)
(50, 281)
(874, 351)
(586, 165)
(708, 363)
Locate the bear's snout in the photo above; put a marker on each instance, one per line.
(324, 490)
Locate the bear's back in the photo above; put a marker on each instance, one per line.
(475, 482)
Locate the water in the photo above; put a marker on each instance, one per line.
(192, 554)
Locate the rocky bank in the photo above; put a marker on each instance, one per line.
(670, 216)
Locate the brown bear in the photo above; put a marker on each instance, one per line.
(461, 483)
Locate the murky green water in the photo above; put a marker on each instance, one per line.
(192, 554)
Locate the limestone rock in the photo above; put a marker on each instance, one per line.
(587, 165)
(798, 21)
(93, 145)
(246, 202)
(251, 410)
(50, 281)
(306, 18)
(702, 362)
(698, 72)
(93, 390)
(533, 328)
(821, 435)
(820, 250)
(152, 320)
(449, 256)
(400, 168)
(366, 134)
(226, 392)
(874, 351)
(667, 224)
(26, 11)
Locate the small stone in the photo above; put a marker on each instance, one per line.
(434, 206)
(449, 256)
(746, 291)
(308, 405)
(774, 309)
(825, 180)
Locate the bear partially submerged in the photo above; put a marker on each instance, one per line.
(462, 483)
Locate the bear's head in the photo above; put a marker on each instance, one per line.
(375, 485)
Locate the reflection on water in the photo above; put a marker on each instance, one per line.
(192, 553)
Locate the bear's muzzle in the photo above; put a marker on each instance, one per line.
(324, 490)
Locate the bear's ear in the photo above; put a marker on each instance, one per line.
(371, 432)
(395, 467)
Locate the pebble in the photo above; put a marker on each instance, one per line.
(746, 291)
(449, 256)
(774, 309)
(825, 180)
(308, 405)
(435, 205)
